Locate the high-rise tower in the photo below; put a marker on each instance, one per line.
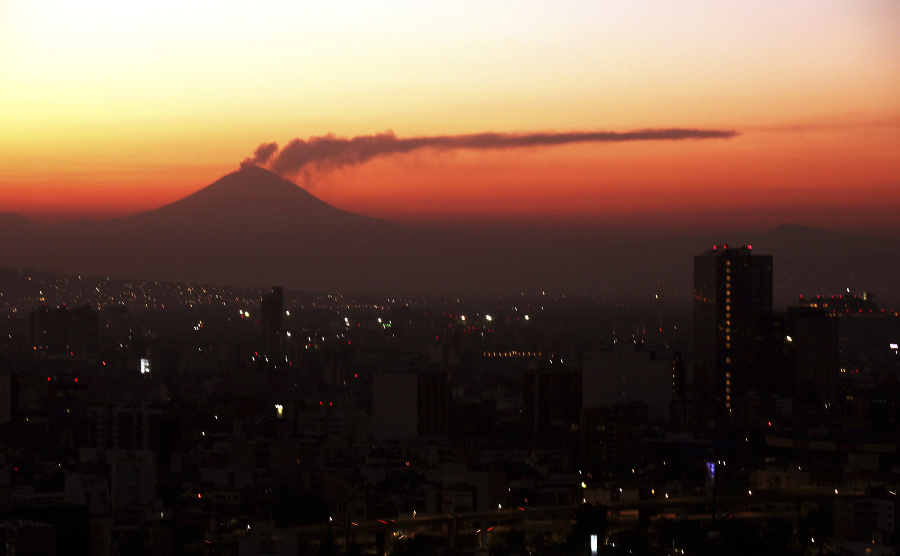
(732, 321)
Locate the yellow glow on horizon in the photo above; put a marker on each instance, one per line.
(101, 100)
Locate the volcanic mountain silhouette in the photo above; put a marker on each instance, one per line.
(253, 228)
(251, 195)
(250, 227)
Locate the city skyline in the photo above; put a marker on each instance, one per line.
(111, 110)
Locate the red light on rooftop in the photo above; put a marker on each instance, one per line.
(749, 247)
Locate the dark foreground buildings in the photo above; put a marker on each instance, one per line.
(271, 322)
(62, 332)
(403, 426)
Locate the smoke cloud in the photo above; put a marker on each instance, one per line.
(262, 154)
(330, 152)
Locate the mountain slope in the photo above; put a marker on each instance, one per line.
(253, 228)
(250, 194)
(249, 227)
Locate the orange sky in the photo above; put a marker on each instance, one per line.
(108, 108)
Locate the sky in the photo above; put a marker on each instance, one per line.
(110, 108)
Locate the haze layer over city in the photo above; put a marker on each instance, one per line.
(477, 278)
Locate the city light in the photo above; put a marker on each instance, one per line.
(218, 365)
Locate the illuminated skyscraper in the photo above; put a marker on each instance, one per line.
(732, 322)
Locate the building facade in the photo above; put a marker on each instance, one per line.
(732, 322)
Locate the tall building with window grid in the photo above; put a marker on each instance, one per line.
(732, 323)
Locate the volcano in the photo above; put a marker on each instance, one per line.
(250, 227)
(253, 196)
(253, 228)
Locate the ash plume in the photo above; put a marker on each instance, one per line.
(329, 152)
(262, 154)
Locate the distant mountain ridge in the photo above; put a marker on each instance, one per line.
(253, 228)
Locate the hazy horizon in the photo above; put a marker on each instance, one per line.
(689, 223)
(647, 114)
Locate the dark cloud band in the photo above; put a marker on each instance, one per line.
(329, 151)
